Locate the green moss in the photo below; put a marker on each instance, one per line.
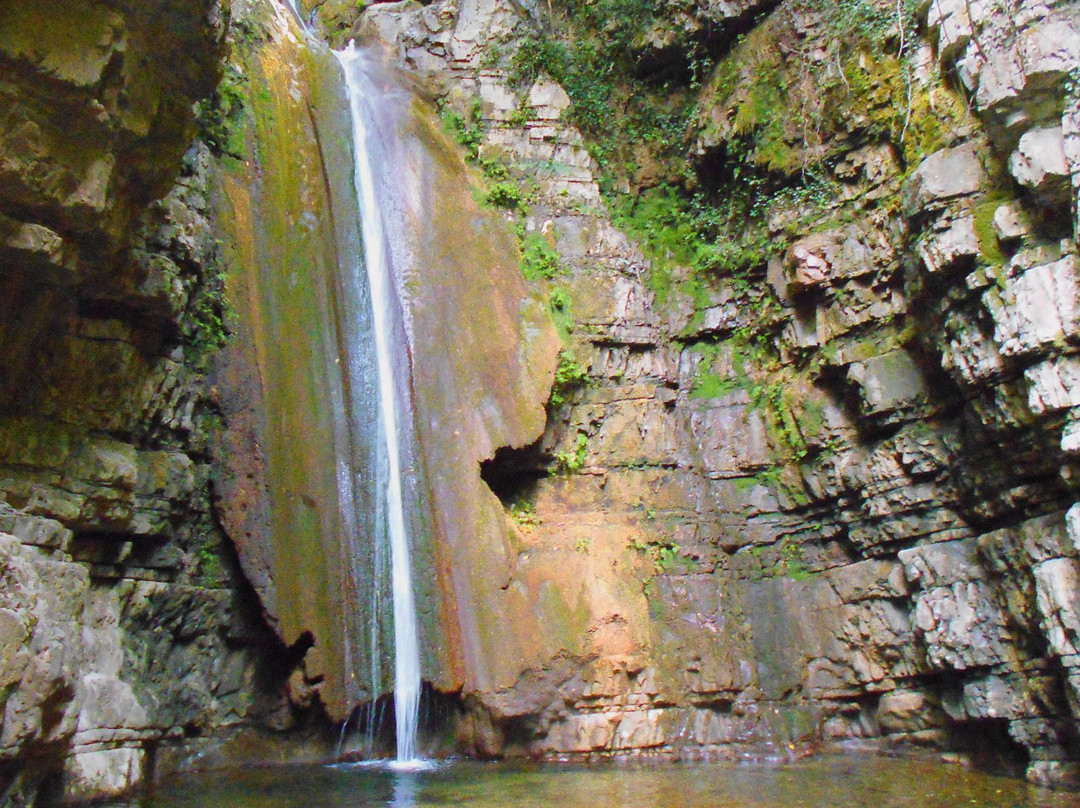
(990, 252)
(593, 56)
(680, 230)
(560, 306)
(793, 561)
(794, 417)
(220, 118)
(659, 281)
(712, 385)
(661, 220)
(880, 87)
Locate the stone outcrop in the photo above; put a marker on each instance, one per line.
(127, 632)
(287, 221)
(830, 504)
(823, 491)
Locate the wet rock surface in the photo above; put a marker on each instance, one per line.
(880, 550)
(831, 499)
(127, 631)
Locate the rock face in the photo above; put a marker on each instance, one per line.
(834, 502)
(812, 480)
(287, 219)
(124, 627)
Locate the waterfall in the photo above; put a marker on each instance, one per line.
(394, 404)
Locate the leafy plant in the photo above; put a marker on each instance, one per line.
(504, 194)
(209, 314)
(667, 555)
(559, 305)
(539, 260)
(524, 515)
(569, 375)
(573, 460)
(793, 561)
(465, 129)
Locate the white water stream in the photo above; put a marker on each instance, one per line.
(383, 300)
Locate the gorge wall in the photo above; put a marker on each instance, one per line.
(809, 469)
(127, 630)
(809, 466)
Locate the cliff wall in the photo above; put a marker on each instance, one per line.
(809, 465)
(808, 471)
(128, 635)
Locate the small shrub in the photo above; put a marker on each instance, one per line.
(524, 515)
(539, 259)
(573, 461)
(569, 375)
(503, 195)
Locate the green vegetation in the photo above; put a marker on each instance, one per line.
(209, 315)
(573, 460)
(465, 129)
(468, 131)
(765, 164)
(524, 515)
(990, 253)
(583, 544)
(504, 194)
(539, 260)
(666, 556)
(205, 545)
(561, 307)
(712, 385)
(596, 48)
(569, 376)
(663, 556)
(210, 567)
(792, 562)
(220, 117)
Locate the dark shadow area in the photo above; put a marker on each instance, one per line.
(512, 473)
(988, 744)
(370, 734)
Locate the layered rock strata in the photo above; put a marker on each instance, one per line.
(827, 494)
(126, 630)
(829, 504)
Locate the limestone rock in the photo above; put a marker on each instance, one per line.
(1053, 385)
(949, 243)
(1057, 583)
(1011, 222)
(942, 176)
(1036, 309)
(1039, 163)
(888, 382)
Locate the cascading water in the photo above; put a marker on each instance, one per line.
(393, 385)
